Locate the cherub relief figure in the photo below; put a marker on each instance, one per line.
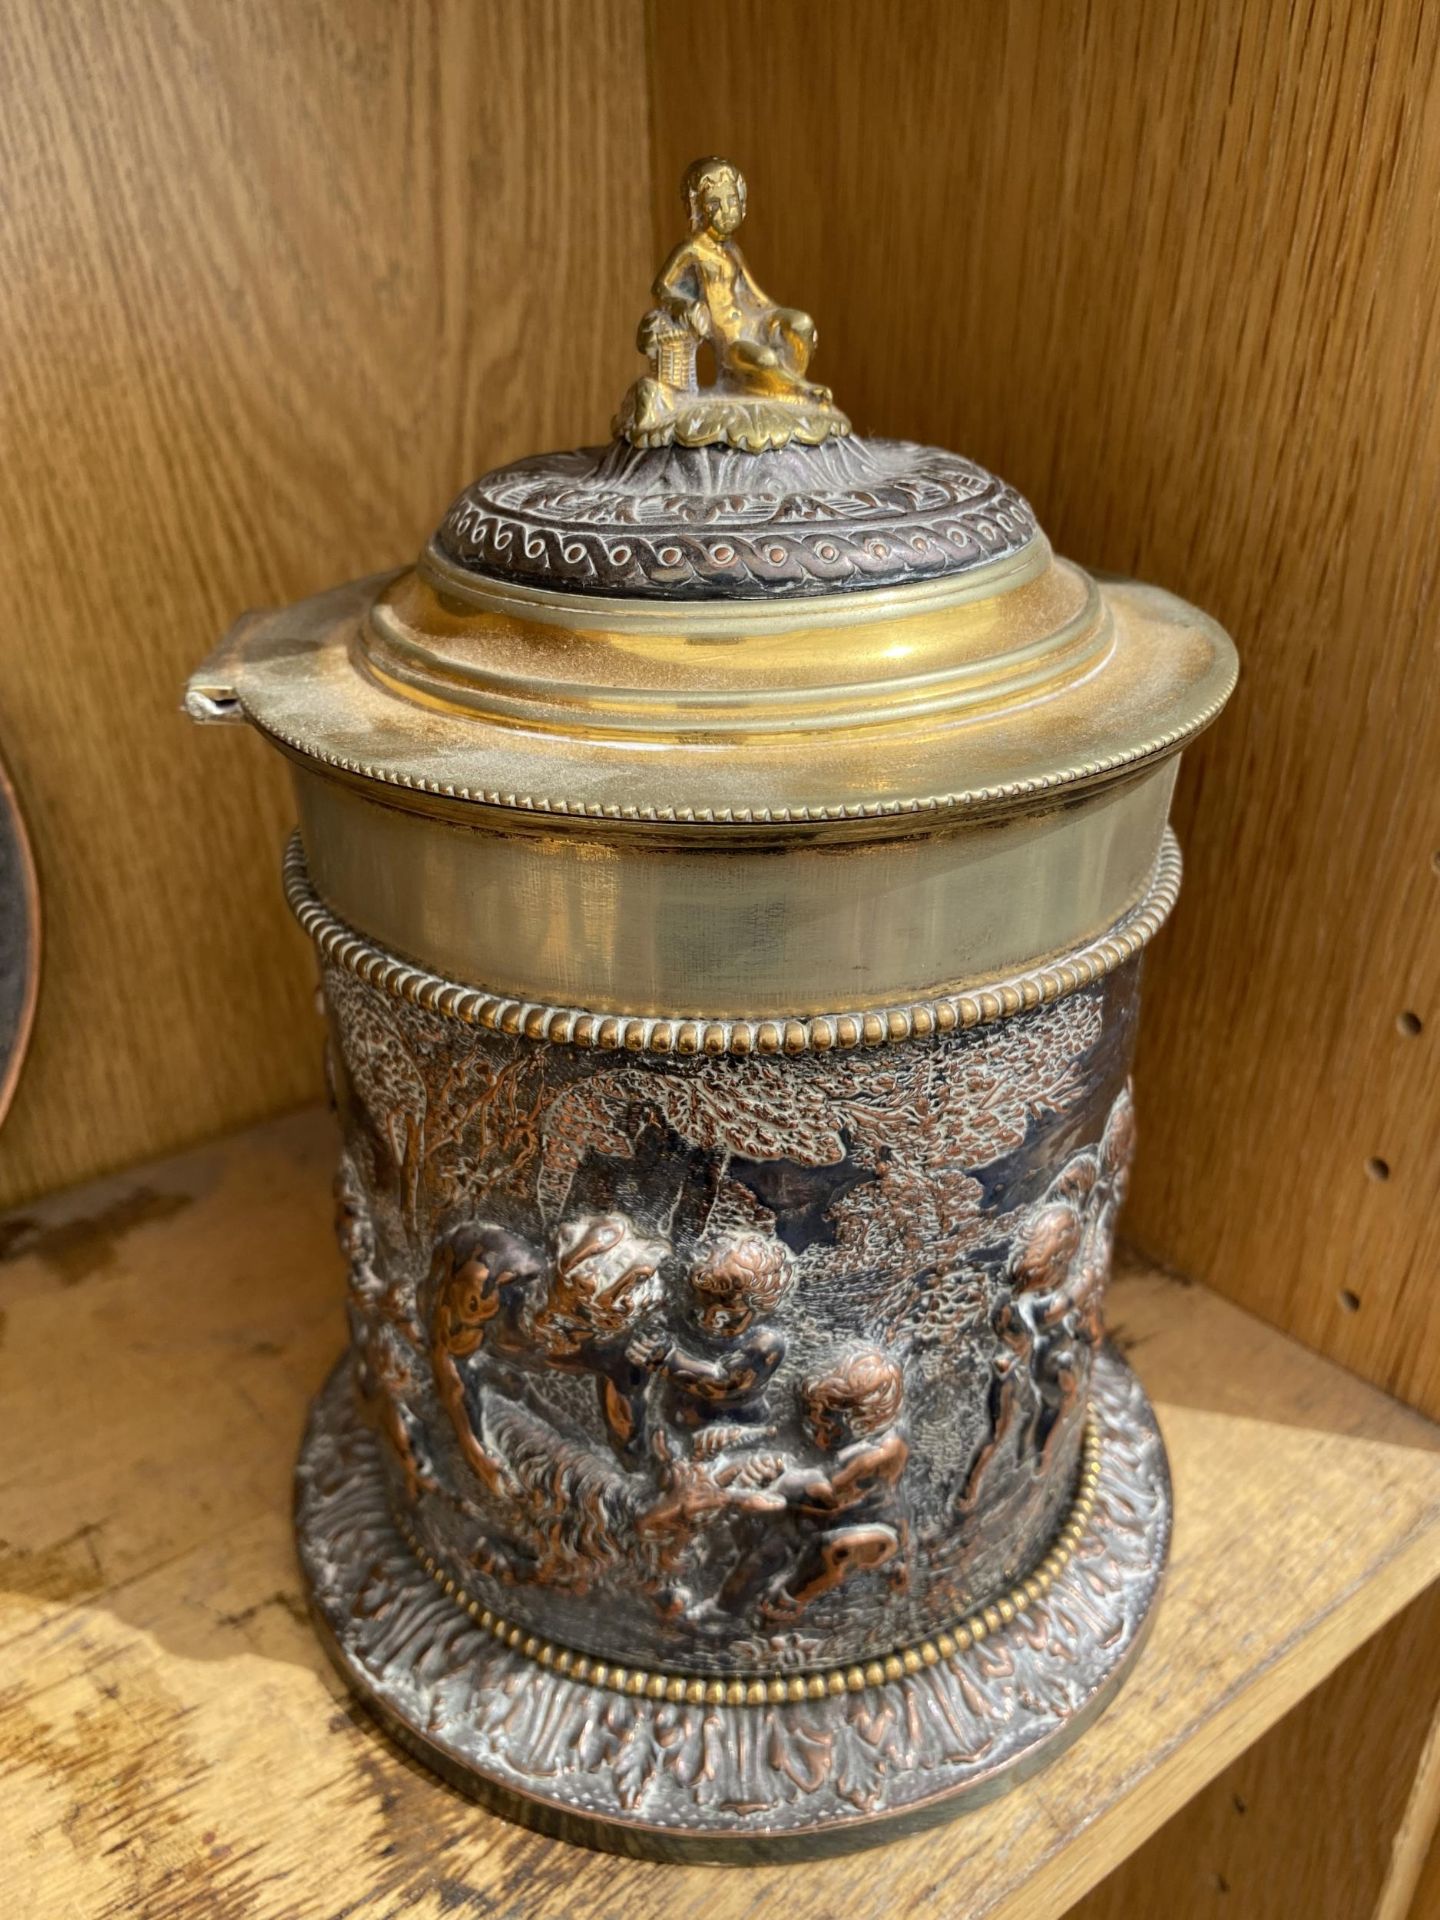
(716, 1391)
(384, 1333)
(603, 1284)
(1050, 1320)
(556, 1493)
(578, 1312)
(696, 1487)
(849, 1512)
(689, 1480)
(1037, 1373)
(734, 1283)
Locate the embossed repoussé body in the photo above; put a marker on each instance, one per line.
(731, 1365)
(727, 1436)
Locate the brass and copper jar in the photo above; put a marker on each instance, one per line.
(730, 853)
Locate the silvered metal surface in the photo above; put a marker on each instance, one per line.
(19, 941)
(725, 1364)
(710, 523)
(718, 1781)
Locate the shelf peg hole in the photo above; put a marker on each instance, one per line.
(1349, 1301)
(1377, 1168)
(1409, 1023)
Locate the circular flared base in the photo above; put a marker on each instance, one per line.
(716, 1782)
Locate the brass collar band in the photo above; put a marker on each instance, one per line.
(754, 1691)
(648, 1033)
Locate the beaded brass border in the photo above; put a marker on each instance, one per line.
(969, 800)
(697, 1690)
(655, 1033)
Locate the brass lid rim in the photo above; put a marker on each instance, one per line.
(300, 677)
(963, 800)
(689, 1035)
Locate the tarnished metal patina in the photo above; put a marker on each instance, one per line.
(730, 853)
(19, 941)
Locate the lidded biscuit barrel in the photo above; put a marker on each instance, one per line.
(729, 853)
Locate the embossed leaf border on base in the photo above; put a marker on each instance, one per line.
(729, 1783)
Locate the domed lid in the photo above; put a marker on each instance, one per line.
(737, 613)
(715, 523)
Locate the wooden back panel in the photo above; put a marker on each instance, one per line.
(275, 281)
(1175, 272)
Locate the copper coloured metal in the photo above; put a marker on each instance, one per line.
(19, 941)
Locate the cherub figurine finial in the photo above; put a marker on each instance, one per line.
(705, 292)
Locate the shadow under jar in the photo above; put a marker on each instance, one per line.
(730, 853)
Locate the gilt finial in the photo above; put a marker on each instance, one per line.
(761, 399)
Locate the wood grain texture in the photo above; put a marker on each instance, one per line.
(1174, 272)
(1301, 1823)
(275, 281)
(1413, 1833)
(1425, 1904)
(174, 1744)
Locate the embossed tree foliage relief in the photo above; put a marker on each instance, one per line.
(456, 1119)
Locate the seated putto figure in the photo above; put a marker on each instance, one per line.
(846, 1515)
(706, 293)
(733, 1282)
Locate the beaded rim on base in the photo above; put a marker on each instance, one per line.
(754, 1691)
(684, 1035)
(618, 1771)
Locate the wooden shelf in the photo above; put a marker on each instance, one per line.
(175, 1745)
